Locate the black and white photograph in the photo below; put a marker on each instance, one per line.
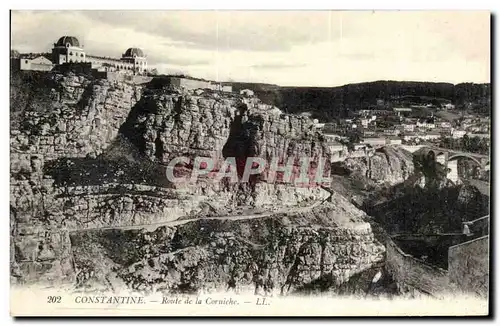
(250, 163)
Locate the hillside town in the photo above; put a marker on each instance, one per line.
(411, 125)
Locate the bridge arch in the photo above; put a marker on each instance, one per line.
(463, 155)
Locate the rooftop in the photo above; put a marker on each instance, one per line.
(133, 52)
(34, 55)
(101, 57)
(68, 41)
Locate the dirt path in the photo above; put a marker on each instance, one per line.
(154, 226)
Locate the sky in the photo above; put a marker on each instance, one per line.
(288, 48)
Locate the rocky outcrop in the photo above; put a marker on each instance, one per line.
(82, 118)
(170, 123)
(70, 142)
(387, 165)
(279, 254)
(391, 164)
(88, 171)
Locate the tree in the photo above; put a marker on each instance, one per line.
(474, 145)
(465, 142)
(353, 137)
(14, 54)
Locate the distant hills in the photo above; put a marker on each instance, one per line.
(328, 103)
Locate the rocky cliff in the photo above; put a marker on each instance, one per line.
(68, 116)
(169, 123)
(386, 165)
(277, 254)
(379, 171)
(90, 202)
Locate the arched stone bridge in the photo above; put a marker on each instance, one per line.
(446, 155)
(449, 157)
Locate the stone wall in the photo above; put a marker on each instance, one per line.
(414, 275)
(469, 266)
(189, 83)
(121, 76)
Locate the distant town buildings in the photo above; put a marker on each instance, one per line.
(431, 135)
(409, 127)
(374, 141)
(402, 111)
(412, 124)
(395, 141)
(426, 124)
(318, 125)
(336, 147)
(391, 132)
(458, 133)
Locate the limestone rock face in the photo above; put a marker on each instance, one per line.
(82, 119)
(387, 165)
(88, 182)
(278, 255)
(171, 123)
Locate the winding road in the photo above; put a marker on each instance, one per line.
(232, 217)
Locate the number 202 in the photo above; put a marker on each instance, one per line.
(53, 299)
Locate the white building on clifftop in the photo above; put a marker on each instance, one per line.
(68, 50)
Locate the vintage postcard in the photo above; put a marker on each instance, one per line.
(250, 163)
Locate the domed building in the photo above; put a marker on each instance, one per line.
(68, 41)
(68, 50)
(137, 58)
(133, 52)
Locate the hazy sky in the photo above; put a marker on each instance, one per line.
(316, 48)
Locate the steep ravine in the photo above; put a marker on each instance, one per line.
(406, 194)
